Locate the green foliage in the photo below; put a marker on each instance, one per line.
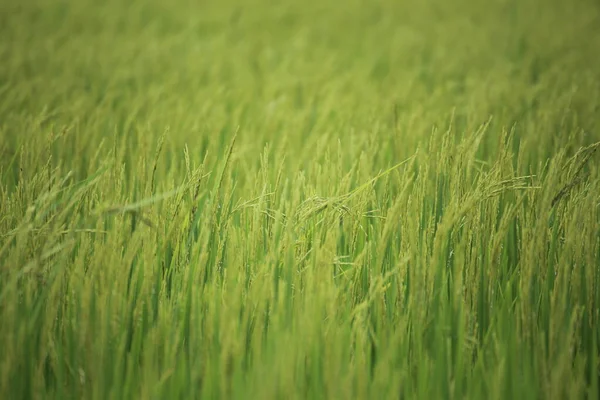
(319, 199)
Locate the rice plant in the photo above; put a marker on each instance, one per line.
(319, 199)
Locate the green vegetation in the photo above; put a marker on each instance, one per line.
(320, 199)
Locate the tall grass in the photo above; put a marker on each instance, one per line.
(321, 199)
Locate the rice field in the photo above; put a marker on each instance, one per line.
(325, 199)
